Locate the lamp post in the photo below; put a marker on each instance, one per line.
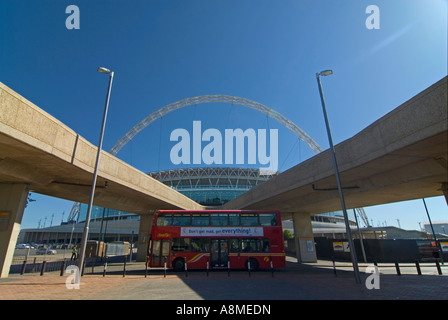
(85, 234)
(335, 164)
(433, 233)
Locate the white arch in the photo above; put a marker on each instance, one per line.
(214, 98)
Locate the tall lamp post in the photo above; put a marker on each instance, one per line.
(95, 173)
(433, 233)
(335, 164)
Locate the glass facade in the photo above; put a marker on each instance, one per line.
(212, 196)
(99, 213)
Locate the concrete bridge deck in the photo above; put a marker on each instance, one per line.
(42, 152)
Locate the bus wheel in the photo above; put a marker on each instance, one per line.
(253, 264)
(178, 264)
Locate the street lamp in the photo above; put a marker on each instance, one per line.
(335, 164)
(95, 173)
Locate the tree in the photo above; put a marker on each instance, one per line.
(287, 234)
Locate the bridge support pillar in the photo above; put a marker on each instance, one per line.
(143, 235)
(304, 238)
(445, 191)
(13, 198)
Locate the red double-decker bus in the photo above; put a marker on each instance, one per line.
(217, 239)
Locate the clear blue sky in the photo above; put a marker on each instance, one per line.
(263, 50)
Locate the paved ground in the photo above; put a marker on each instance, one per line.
(297, 282)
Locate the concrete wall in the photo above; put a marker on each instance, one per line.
(144, 235)
(304, 238)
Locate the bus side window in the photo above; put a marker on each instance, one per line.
(181, 219)
(200, 245)
(219, 219)
(200, 220)
(265, 245)
(234, 219)
(268, 219)
(249, 219)
(164, 220)
(234, 245)
(180, 244)
(250, 245)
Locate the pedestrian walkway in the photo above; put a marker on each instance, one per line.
(313, 281)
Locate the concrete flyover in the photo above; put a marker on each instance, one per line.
(401, 156)
(40, 151)
(41, 154)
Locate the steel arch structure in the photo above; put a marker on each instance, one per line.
(222, 99)
(214, 98)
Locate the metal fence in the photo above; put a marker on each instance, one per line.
(31, 263)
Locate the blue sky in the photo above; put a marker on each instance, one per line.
(263, 50)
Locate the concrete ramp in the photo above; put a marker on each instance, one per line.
(39, 150)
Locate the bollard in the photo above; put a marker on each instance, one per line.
(248, 265)
(42, 270)
(228, 268)
(124, 266)
(397, 267)
(23, 267)
(84, 267)
(272, 266)
(439, 270)
(105, 267)
(164, 268)
(146, 266)
(34, 265)
(186, 268)
(62, 268)
(417, 265)
(208, 264)
(334, 268)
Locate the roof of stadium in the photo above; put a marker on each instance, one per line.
(215, 185)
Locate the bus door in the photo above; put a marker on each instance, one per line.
(160, 250)
(219, 253)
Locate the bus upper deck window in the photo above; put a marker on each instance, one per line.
(219, 219)
(164, 220)
(199, 219)
(249, 219)
(268, 219)
(234, 219)
(181, 219)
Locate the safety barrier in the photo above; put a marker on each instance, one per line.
(47, 264)
(164, 268)
(398, 270)
(43, 266)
